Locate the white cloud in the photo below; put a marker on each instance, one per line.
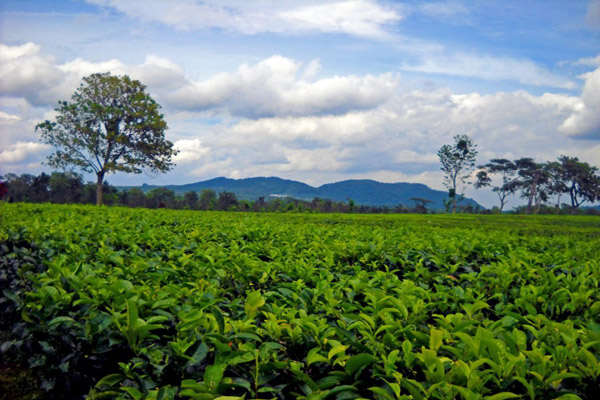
(584, 122)
(273, 87)
(590, 61)
(355, 17)
(491, 68)
(22, 151)
(329, 159)
(276, 86)
(27, 73)
(5, 117)
(190, 151)
(362, 18)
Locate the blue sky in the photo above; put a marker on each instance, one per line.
(317, 91)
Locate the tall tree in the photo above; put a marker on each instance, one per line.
(110, 125)
(533, 181)
(579, 180)
(507, 170)
(556, 182)
(457, 161)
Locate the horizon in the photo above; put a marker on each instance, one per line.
(318, 91)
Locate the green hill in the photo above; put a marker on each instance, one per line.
(363, 191)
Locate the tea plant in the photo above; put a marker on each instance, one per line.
(159, 304)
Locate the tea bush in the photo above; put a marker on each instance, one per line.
(161, 304)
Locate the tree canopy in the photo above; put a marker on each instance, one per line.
(110, 125)
(457, 161)
(507, 170)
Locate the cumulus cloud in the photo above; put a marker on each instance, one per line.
(584, 122)
(274, 87)
(490, 68)
(25, 72)
(364, 18)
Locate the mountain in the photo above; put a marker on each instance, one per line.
(362, 191)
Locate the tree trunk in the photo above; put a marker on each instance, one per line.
(532, 194)
(453, 195)
(99, 188)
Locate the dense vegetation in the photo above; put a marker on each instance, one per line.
(161, 304)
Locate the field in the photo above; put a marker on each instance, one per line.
(158, 304)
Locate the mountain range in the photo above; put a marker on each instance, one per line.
(363, 191)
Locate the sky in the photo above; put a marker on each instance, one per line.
(316, 91)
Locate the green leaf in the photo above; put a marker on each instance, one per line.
(502, 396)
(59, 320)
(230, 397)
(254, 301)
(213, 375)
(133, 392)
(435, 339)
(358, 362)
(336, 350)
(314, 356)
(339, 389)
(382, 393)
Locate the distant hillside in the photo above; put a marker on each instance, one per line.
(363, 191)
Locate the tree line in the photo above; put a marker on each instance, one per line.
(538, 183)
(69, 187)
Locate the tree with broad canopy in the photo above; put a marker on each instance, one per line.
(110, 125)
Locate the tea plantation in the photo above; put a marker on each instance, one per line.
(158, 304)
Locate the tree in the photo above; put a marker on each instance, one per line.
(135, 198)
(161, 198)
(3, 188)
(227, 201)
(420, 205)
(579, 180)
(110, 125)
(556, 185)
(207, 200)
(533, 180)
(190, 200)
(507, 171)
(457, 161)
(65, 187)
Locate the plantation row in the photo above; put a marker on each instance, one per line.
(162, 304)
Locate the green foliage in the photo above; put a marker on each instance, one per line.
(161, 304)
(110, 125)
(457, 162)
